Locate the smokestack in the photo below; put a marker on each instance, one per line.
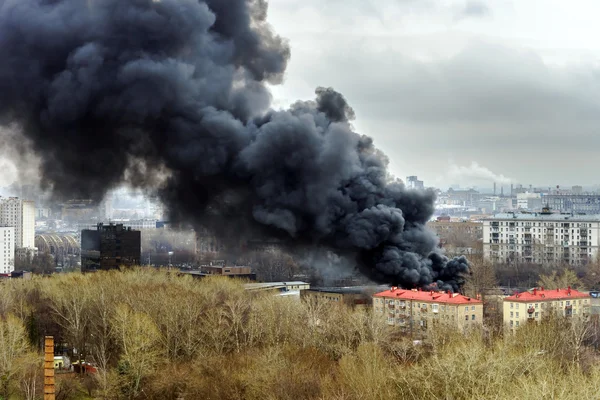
(172, 97)
(501, 191)
(49, 384)
(494, 188)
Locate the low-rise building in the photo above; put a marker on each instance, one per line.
(534, 305)
(595, 303)
(420, 311)
(285, 289)
(353, 296)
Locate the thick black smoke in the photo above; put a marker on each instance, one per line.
(114, 90)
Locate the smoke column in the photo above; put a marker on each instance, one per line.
(170, 96)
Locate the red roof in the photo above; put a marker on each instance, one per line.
(438, 297)
(548, 294)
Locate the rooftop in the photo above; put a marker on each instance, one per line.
(548, 294)
(348, 289)
(438, 297)
(544, 217)
(273, 285)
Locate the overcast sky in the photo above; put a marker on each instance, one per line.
(458, 91)
(455, 91)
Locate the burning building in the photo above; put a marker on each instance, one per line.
(109, 247)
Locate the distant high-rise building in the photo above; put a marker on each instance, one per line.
(577, 189)
(7, 250)
(109, 247)
(19, 214)
(412, 182)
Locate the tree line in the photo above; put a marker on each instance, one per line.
(157, 335)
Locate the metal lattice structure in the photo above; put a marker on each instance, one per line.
(58, 244)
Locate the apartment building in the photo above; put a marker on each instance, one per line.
(420, 311)
(19, 214)
(543, 237)
(7, 250)
(534, 305)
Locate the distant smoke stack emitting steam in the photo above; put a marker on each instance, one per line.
(170, 96)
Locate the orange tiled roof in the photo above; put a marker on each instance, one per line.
(548, 294)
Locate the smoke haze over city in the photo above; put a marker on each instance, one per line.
(171, 96)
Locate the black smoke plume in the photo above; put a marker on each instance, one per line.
(170, 96)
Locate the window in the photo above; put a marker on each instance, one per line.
(434, 307)
(473, 317)
(511, 324)
(517, 306)
(467, 309)
(537, 314)
(536, 305)
(511, 305)
(472, 308)
(517, 323)
(511, 314)
(517, 315)
(466, 317)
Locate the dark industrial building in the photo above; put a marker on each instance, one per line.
(109, 247)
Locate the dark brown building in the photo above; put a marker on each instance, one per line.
(109, 247)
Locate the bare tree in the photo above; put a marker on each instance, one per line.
(568, 278)
(138, 337)
(13, 347)
(481, 279)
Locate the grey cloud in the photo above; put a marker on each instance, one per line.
(484, 83)
(482, 104)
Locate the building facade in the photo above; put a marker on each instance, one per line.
(575, 203)
(19, 214)
(421, 311)
(529, 201)
(7, 250)
(524, 307)
(358, 297)
(541, 238)
(290, 289)
(109, 247)
(412, 182)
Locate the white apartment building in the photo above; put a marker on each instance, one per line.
(7, 250)
(19, 214)
(541, 238)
